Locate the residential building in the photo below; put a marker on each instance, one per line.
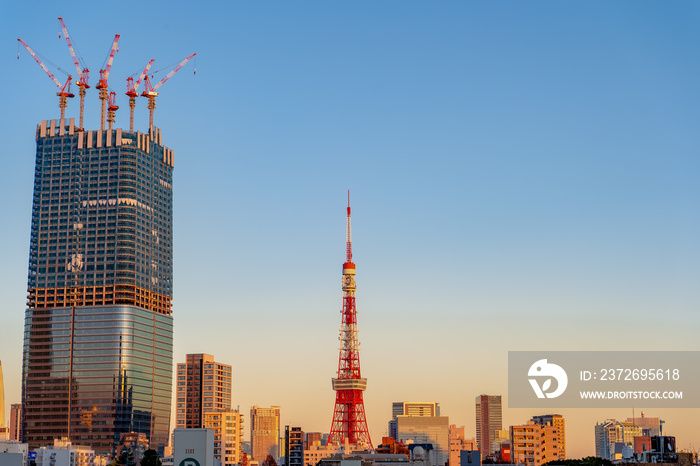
(293, 446)
(203, 386)
(97, 355)
(228, 435)
(264, 432)
(489, 419)
(540, 440)
(426, 430)
(15, 422)
(411, 408)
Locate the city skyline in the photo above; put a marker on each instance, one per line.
(526, 169)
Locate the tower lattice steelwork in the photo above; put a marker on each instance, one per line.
(349, 422)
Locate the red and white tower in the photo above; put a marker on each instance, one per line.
(349, 421)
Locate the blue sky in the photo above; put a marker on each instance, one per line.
(523, 176)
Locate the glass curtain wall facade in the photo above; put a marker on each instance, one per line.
(97, 359)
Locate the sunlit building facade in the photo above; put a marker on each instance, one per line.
(97, 359)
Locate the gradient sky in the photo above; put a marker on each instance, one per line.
(523, 176)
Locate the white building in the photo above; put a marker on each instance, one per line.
(13, 453)
(63, 453)
(426, 430)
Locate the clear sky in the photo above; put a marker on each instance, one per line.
(523, 175)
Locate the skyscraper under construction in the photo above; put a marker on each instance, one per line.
(97, 359)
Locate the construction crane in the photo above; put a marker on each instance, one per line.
(64, 93)
(102, 85)
(83, 73)
(111, 108)
(131, 89)
(151, 93)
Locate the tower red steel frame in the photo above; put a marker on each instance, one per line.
(349, 422)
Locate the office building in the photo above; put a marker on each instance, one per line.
(2, 400)
(313, 438)
(432, 430)
(264, 432)
(228, 435)
(650, 426)
(489, 419)
(15, 422)
(410, 408)
(203, 385)
(540, 440)
(97, 356)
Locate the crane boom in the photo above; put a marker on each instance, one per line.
(82, 74)
(175, 70)
(104, 73)
(131, 89)
(38, 60)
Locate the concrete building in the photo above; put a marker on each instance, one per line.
(411, 408)
(228, 435)
(489, 419)
(64, 453)
(458, 444)
(426, 430)
(203, 386)
(650, 426)
(194, 447)
(264, 432)
(293, 446)
(541, 440)
(13, 453)
(612, 436)
(15, 422)
(97, 355)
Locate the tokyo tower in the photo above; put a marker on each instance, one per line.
(349, 421)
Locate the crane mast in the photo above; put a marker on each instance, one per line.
(102, 85)
(131, 91)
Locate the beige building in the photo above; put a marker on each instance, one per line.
(541, 440)
(611, 436)
(459, 443)
(228, 435)
(264, 432)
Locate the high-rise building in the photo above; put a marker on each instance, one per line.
(203, 385)
(489, 419)
(427, 429)
(15, 422)
(541, 440)
(97, 356)
(264, 432)
(228, 435)
(410, 408)
(313, 438)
